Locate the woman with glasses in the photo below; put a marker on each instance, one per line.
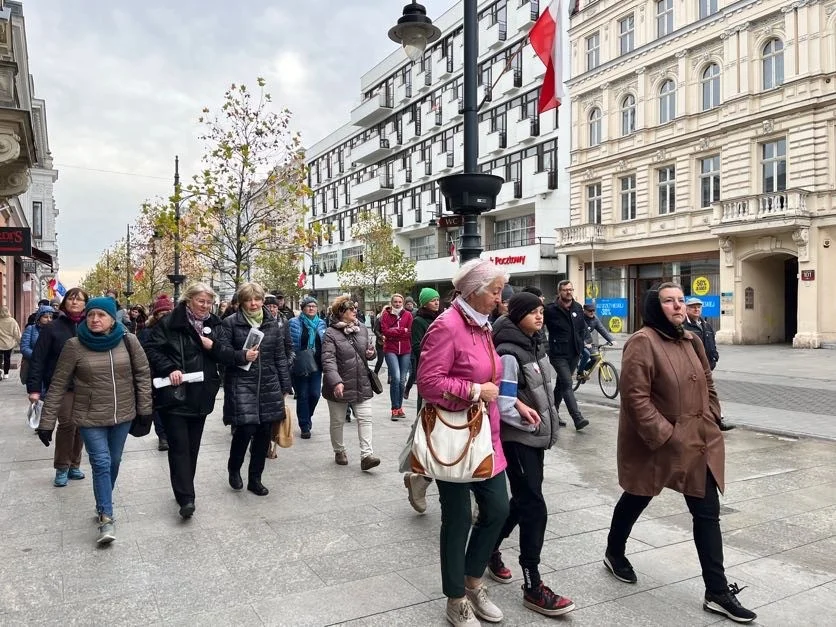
(185, 341)
(345, 351)
(307, 331)
(68, 444)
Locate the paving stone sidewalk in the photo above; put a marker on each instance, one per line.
(332, 545)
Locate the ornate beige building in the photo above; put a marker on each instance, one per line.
(704, 137)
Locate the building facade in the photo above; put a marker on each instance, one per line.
(406, 133)
(703, 137)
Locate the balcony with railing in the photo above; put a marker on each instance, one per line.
(582, 235)
(373, 110)
(372, 150)
(373, 188)
(761, 213)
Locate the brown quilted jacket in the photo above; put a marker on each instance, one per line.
(109, 388)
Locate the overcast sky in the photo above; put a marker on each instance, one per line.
(124, 83)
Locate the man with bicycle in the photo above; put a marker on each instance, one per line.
(592, 324)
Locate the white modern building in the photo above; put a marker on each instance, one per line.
(406, 133)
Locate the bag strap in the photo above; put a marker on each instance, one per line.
(473, 424)
(362, 357)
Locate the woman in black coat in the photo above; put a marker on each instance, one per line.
(185, 341)
(253, 398)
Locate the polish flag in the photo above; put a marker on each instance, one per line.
(453, 257)
(139, 274)
(302, 278)
(546, 39)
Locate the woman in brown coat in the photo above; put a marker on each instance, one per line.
(669, 436)
(345, 350)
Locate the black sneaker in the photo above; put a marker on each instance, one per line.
(620, 567)
(725, 426)
(726, 603)
(306, 435)
(580, 424)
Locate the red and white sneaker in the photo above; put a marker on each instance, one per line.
(497, 569)
(541, 599)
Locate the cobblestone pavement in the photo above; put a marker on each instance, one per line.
(332, 545)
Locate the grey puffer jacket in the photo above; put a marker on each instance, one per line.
(341, 363)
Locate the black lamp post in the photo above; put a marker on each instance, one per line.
(176, 278)
(470, 193)
(128, 292)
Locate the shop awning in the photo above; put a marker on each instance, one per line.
(42, 257)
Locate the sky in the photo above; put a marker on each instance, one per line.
(124, 83)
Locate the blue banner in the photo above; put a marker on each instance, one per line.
(710, 306)
(606, 307)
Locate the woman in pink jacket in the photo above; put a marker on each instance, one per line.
(458, 367)
(396, 327)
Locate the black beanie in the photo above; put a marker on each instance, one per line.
(521, 304)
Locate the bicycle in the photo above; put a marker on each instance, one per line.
(607, 374)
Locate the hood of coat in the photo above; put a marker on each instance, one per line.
(654, 317)
(506, 332)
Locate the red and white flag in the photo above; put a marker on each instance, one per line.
(139, 274)
(302, 279)
(547, 41)
(453, 256)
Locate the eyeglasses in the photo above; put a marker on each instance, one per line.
(347, 307)
(77, 297)
(203, 303)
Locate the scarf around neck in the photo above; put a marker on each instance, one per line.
(255, 318)
(196, 322)
(481, 320)
(346, 328)
(312, 324)
(654, 317)
(100, 342)
(75, 317)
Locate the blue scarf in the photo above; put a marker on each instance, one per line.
(97, 341)
(312, 325)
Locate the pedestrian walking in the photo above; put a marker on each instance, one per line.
(9, 339)
(51, 340)
(32, 332)
(564, 321)
(272, 304)
(284, 310)
(185, 341)
(458, 367)
(345, 351)
(306, 333)
(163, 305)
(136, 320)
(528, 427)
(396, 327)
(378, 339)
(254, 398)
(668, 436)
(107, 369)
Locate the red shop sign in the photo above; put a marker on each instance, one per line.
(16, 240)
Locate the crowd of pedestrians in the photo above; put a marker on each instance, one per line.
(92, 363)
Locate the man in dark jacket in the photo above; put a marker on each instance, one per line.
(286, 311)
(564, 320)
(699, 326)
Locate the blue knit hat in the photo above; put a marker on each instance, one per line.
(102, 303)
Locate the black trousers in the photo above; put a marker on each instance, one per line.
(7, 360)
(184, 434)
(242, 436)
(563, 388)
(527, 506)
(379, 364)
(708, 538)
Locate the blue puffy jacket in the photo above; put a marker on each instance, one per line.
(33, 331)
(297, 328)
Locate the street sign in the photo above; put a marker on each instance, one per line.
(808, 275)
(30, 267)
(445, 222)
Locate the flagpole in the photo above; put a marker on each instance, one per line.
(129, 287)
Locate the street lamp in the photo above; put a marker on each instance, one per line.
(470, 193)
(176, 278)
(129, 287)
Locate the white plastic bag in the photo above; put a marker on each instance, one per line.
(33, 416)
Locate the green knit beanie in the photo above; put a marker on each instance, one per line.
(426, 295)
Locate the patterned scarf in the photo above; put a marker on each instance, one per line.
(348, 329)
(196, 322)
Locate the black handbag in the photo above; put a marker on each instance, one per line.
(305, 363)
(374, 380)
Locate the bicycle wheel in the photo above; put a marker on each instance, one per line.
(608, 379)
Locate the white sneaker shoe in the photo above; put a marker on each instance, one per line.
(460, 613)
(416, 485)
(482, 605)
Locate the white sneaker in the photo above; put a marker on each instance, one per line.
(482, 605)
(106, 530)
(416, 485)
(5, 375)
(460, 613)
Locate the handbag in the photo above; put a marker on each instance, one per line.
(305, 363)
(374, 380)
(285, 436)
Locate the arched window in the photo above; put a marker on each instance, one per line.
(773, 63)
(628, 114)
(710, 87)
(595, 127)
(667, 102)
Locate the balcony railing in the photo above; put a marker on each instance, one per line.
(585, 234)
(546, 244)
(762, 207)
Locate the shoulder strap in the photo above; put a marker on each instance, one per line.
(362, 357)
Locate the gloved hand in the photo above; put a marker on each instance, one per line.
(45, 435)
(145, 420)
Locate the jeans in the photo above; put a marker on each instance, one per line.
(563, 389)
(708, 538)
(586, 360)
(527, 507)
(461, 556)
(398, 366)
(7, 360)
(184, 434)
(104, 448)
(307, 390)
(68, 443)
(363, 413)
(259, 435)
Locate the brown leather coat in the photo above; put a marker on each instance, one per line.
(668, 430)
(111, 387)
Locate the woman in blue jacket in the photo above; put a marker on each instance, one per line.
(30, 335)
(306, 332)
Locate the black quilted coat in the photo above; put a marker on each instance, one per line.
(257, 395)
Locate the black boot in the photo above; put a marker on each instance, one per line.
(256, 487)
(235, 481)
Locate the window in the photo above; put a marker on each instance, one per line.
(667, 102)
(774, 166)
(628, 114)
(593, 203)
(595, 127)
(626, 29)
(710, 87)
(707, 7)
(355, 253)
(514, 232)
(628, 197)
(667, 189)
(709, 180)
(593, 51)
(423, 247)
(37, 220)
(664, 17)
(773, 64)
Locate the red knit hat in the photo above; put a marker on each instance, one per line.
(163, 302)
